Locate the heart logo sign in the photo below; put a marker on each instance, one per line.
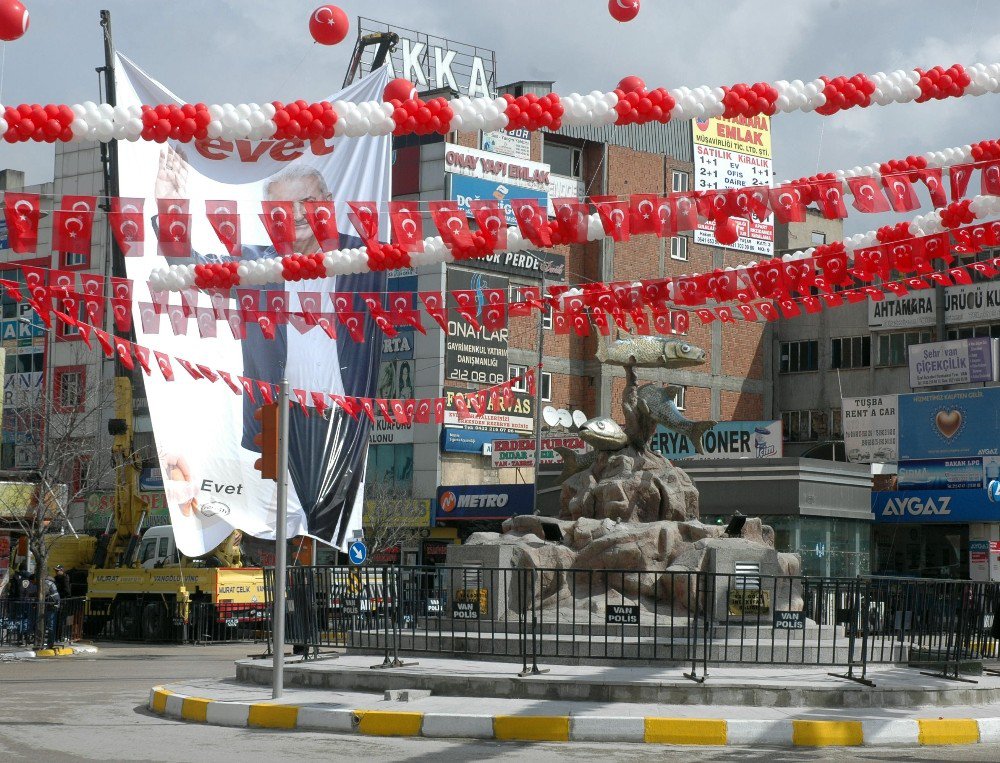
(948, 422)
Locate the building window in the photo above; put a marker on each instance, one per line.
(74, 261)
(892, 347)
(851, 352)
(546, 386)
(563, 160)
(80, 482)
(818, 239)
(679, 248)
(680, 399)
(70, 389)
(679, 181)
(968, 332)
(522, 385)
(799, 356)
(836, 424)
(803, 426)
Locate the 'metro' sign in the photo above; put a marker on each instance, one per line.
(431, 62)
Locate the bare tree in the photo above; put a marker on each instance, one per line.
(392, 517)
(64, 453)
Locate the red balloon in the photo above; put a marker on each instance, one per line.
(399, 89)
(726, 233)
(13, 20)
(632, 83)
(329, 25)
(623, 10)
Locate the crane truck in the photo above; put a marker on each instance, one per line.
(137, 584)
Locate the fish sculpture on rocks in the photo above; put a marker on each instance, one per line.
(650, 352)
(659, 403)
(603, 433)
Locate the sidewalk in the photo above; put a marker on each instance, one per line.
(230, 703)
(8, 653)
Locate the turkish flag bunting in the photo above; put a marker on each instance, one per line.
(300, 323)
(266, 392)
(714, 205)
(614, 214)
(690, 290)
(22, 212)
(768, 311)
(164, 364)
(452, 224)
(178, 319)
(310, 303)
(247, 385)
(402, 312)
(642, 213)
(641, 322)
(834, 299)
(989, 178)
(627, 295)
(327, 322)
(422, 412)
(300, 397)
(897, 287)
(725, 314)
(812, 304)
(223, 216)
(705, 315)
(319, 402)
(533, 221)
(959, 176)
(467, 306)
(12, 289)
(62, 283)
(932, 177)
(364, 218)
(492, 222)
(36, 280)
(174, 234)
(92, 284)
(600, 319)
(373, 303)
(148, 316)
(402, 411)
(189, 301)
(407, 225)
(142, 356)
(917, 284)
(685, 211)
(122, 310)
(159, 297)
(789, 308)
(439, 410)
(128, 225)
(829, 195)
(868, 197)
(984, 268)
(322, 218)
(786, 202)
(960, 276)
(207, 328)
(461, 407)
(121, 288)
(206, 373)
(343, 301)
(529, 378)
(73, 224)
(768, 278)
(965, 241)
(237, 323)
(277, 302)
(870, 262)
(228, 379)
(749, 313)
(899, 191)
(355, 323)
(572, 219)
(278, 219)
(268, 323)
(189, 367)
(106, 342)
(434, 303)
(350, 405)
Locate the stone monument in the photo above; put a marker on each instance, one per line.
(625, 507)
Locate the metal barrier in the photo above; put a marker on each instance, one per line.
(540, 614)
(158, 619)
(19, 620)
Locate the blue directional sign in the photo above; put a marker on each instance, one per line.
(994, 491)
(358, 552)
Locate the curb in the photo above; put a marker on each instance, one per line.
(59, 651)
(579, 728)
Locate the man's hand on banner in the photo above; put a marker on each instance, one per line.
(171, 177)
(180, 488)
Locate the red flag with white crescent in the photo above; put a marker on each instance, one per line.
(322, 218)
(934, 180)
(868, 197)
(73, 225)
(364, 218)
(571, 218)
(223, 216)
(407, 225)
(642, 213)
(614, 214)
(278, 219)
(959, 176)
(128, 225)
(899, 191)
(492, 222)
(452, 224)
(22, 213)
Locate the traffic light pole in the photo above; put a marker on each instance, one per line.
(280, 543)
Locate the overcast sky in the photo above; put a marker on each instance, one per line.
(260, 50)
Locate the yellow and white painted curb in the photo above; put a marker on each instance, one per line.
(59, 651)
(579, 728)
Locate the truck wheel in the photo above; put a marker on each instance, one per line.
(124, 619)
(154, 621)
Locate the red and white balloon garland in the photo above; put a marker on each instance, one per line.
(412, 115)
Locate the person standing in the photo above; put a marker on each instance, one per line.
(62, 582)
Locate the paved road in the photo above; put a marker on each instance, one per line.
(93, 709)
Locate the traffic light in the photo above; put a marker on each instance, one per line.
(267, 441)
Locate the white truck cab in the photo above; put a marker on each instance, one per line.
(157, 547)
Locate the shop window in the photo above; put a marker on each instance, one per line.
(679, 248)
(892, 347)
(679, 181)
(799, 356)
(563, 159)
(851, 352)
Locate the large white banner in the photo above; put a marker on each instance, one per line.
(871, 428)
(204, 433)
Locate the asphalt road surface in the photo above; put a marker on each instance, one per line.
(93, 708)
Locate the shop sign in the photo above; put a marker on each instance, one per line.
(483, 165)
(947, 473)
(933, 506)
(518, 453)
(949, 424)
(466, 502)
(478, 441)
(518, 417)
(871, 428)
(727, 439)
(465, 190)
(531, 263)
(914, 310)
(516, 143)
(749, 602)
(962, 361)
(472, 354)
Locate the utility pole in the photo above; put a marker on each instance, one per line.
(280, 541)
(538, 392)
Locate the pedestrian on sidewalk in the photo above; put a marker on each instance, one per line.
(52, 599)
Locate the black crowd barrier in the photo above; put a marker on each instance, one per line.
(162, 619)
(614, 616)
(19, 621)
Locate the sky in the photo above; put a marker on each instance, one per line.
(260, 50)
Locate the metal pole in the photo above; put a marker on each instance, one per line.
(538, 397)
(278, 614)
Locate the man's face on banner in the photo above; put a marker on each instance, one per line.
(299, 190)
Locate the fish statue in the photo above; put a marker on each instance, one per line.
(650, 352)
(603, 433)
(574, 462)
(658, 403)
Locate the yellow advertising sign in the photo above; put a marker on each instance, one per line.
(745, 135)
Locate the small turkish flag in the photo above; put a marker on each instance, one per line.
(266, 392)
(319, 402)
(300, 397)
(614, 214)
(439, 410)
(829, 195)
(22, 213)
(355, 323)
(422, 413)
(571, 217)
(322, 218)
(434, 303)
(128, 225)
(206, 373)
(149, 318)
(122, 310)
(400, 412)
(228, 379)
(237, 323)
(178, 319)
(868, 197)
(142, 355)
(959, 176)
(223, 216)
(899, 191)
(451, 224)
(73, 224)
(705, 315)
(268, 324)
(466, 305)
(165, 368)
(247, 385)
(492, 222)
(642, 213)
(533, 221)
(364, 218)
(407, 225)
(278, 218)
(932, 177)
(106, 342)
(786, 203)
